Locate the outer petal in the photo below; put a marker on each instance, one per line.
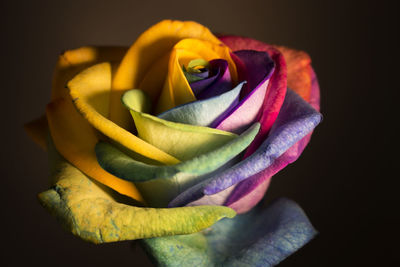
(89, 91)
(76, 140)
(151, 45)
(65, 122)
(262, 237)
(74, 61)
(298, 71)
(37, 130)
(90, 213)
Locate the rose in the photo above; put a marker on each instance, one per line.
(192, 165)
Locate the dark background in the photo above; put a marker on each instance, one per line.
(339, 180)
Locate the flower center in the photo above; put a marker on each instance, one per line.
(196, 70)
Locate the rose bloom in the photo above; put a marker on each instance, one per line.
(168, 137)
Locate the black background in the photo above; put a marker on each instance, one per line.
(341, 181)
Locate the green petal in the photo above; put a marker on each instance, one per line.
(160, 184)
(180, 140)
(90, 212)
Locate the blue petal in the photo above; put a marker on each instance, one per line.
(204, 112)
(263, 237)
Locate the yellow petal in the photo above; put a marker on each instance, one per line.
(89, 212)
(73, 61)
(75, 139)
(176, 90)
(37, 130)
(147, 49)
(90, 91)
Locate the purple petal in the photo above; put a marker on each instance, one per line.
(219, 82)
(250, 191)
(296, 119)
(203, 74)
(259, 68)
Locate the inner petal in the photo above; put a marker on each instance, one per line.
(177, 90)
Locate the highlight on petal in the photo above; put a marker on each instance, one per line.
(182, 141)
(90, 91)
(263, 237)
(152, 45)
(177, 90)
(204, 112)
(259, 68)
(89, 212)
(160, 184)
(296, 119)
(73, 61)
(76, 140)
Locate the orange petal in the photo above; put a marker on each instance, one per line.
(298, 71)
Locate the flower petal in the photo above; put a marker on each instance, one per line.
(296, 120)
(183, 141)
(315, 92)
(74, 61)
(90, 213)
(76, 140)
(65, 123)
(176, 90)
(166, 182)
(250, 191)
(276, 88)
(90, 91)
(262, 237)
(37, 130)
(204, 112)
(259, 68)
(153, 44)
(221, 84)
(298, 71)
